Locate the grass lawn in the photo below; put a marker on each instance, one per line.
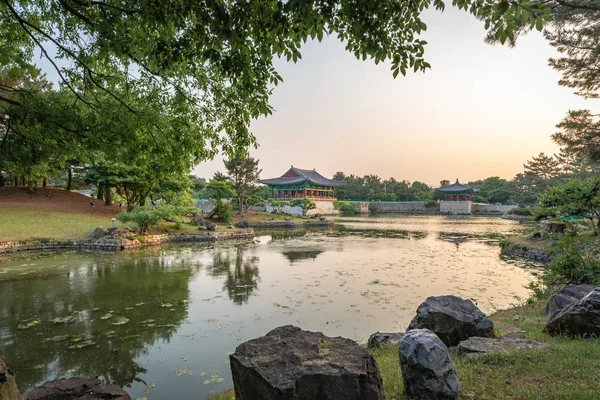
(568, 369)
(27, 223)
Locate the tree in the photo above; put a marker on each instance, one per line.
(305, 204)
(577, 197)
(543, 166)
(445, 182)
(212, 61)
(243, 171)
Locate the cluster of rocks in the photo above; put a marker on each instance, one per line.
(203, 224)
(529, 253)
(82, 388)
(289, 363)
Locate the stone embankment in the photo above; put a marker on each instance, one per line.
(530, 253)
(114, 243)
(288, 224)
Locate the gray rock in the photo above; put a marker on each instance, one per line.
(379, 339)
(86, 388)
(198, 220)
(535, 235)
(209, 226)
(580, 318)
(112, 231)
(99, 232)
(289, 363)
(478, 345)
(517, 333)
(567, 296)
(453, 319)
(554, 227)
(427, 370)
(242, 224)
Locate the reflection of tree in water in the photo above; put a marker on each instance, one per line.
(298, 255)
(118, 311)
(240, 272)
(459, 238)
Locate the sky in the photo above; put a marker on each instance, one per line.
(481, 110)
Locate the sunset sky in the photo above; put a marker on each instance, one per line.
(481, 110)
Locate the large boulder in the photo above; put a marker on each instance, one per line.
(379, 339)
(289, 363)
(478, 345)
(579, 318)
(86, 388)
(453, 319)
(427, 370)
(8, 385)
(99, 232)
(569, 295)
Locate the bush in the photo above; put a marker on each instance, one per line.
(372, 208)
(576, 262)
(140, 215)
(221, 211)
(348, 208)
(430, 203)
(525, 212)
(305, 204)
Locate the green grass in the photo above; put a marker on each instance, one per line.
(567, 369)
(27, 223)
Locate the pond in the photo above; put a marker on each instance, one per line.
(162, 321)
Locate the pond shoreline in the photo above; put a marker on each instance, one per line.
(112, 243)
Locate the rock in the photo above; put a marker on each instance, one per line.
(198, 220)
(517, 317)
(453, 319)
(242, 224)
(555, 227)
(209, 226)
(99, 232)
(85, 388)
(112, 231)
(535, 235)
(322, 219)
(8, 385)
(567, 296)
(427, 370)
(579, 318)
(478, 345)
(289, 363)
(517, 333)
(288, 218)
(379, 339)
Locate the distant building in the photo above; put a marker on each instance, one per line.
(457, 199)
(302, 183)
(456, 192)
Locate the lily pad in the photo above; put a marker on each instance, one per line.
(120, 321)
(63, 320)
(27, 325)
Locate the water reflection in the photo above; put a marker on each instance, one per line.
(95, 319)
(162, 320)
(241, 273)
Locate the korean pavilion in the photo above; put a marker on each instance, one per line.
(456, 192)
(299, 183)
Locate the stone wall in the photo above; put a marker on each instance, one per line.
(491, 209)
(401, 207)
(455, 207)
(323, 208)
(112, 243)
(288, 224)
(514, 250)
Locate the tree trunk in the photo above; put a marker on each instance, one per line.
(108, 196)
(69, 179)
(44, 183)
(100, 195)
(1, 180)
(22, 180)
(241, 204)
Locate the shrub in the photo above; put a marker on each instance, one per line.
(305, 204)
(430, 203)
(576, 262)
(525, 212)
(348, 208)
(140, 215)
(221, 211)
(372, 208)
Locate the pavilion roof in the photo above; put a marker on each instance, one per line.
(455, 188)
(298, 175)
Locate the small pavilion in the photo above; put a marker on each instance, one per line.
(456, 192)
(302, 183)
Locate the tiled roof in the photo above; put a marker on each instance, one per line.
(455, 187)
(304, 175)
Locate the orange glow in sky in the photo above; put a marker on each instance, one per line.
(481, 110)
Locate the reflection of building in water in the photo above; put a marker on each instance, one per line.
(457, 199)
(297, 255)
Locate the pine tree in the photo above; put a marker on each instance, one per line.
(543, 166)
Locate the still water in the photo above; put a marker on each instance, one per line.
(162, 321)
